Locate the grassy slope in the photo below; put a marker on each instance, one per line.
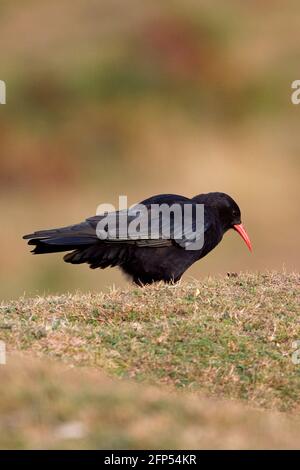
(226, 338)
(43, 405)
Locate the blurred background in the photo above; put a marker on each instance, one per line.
(131, 97)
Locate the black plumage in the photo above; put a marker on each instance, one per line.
(148, 258)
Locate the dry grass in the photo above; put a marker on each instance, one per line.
(219, 348)
(43, 405)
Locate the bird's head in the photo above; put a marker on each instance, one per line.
(228, 212)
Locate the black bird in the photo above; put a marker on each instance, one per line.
(145, 258)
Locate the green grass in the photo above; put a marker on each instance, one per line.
(227, 339)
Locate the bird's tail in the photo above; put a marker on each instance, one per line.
(83, 243)
(62, 239)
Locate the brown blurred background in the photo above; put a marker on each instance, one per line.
(109, 97)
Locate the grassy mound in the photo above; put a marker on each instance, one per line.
(228, 339)
(45, 405)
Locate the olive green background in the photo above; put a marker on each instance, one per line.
(114, 97)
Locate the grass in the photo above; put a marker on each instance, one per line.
(44, 405)
(215, 344)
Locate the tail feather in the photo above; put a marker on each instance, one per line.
(87, 228)
(62, 239)
(82, 241)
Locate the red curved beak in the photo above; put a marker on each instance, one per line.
(240, 229)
